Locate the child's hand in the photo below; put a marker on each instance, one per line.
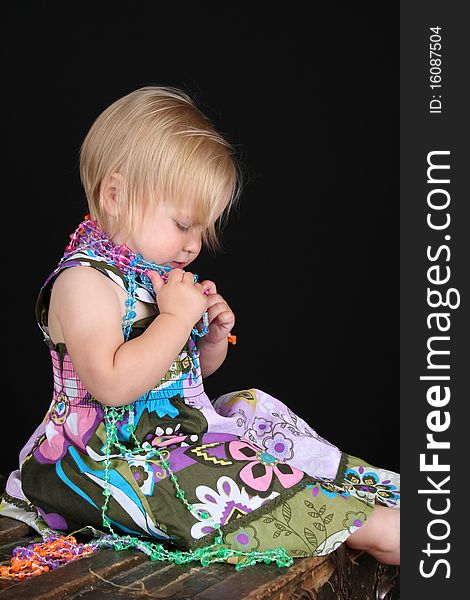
(180, 296)
(221, 317)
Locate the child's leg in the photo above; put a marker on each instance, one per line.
(380, 535)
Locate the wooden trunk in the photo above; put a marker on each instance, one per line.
(342, 575)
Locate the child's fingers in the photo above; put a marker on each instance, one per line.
(226, 320)
(188, 277)
(215, 299)
(155, 279)
(222, 313)
(175, 275)
(209, 286)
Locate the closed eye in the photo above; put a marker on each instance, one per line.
(182, 227)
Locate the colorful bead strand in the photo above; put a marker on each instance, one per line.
(38, 558)
(89, 235)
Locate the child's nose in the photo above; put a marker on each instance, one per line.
(193, 242)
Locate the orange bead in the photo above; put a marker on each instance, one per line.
(15, 565)
(232, 339)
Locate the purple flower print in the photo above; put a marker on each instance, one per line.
(140, 474)
(354, 520)
(262, 467)
(261, 426)
(279, 446)
(243, 539)
(369, 482)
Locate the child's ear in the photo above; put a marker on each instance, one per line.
(111, 193)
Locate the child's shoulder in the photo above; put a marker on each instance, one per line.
(81, 293)
(81, 279)
(82, 285)
(77, 293)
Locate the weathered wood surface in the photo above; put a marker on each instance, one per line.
(129, 574)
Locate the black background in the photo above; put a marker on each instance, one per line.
(310, 265)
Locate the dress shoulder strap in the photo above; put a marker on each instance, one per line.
(84, 257)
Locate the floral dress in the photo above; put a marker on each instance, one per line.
(260, 471)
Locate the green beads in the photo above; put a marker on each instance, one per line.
(206, 555)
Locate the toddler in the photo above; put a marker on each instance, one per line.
(131, 448)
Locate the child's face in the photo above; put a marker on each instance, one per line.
(166, 237)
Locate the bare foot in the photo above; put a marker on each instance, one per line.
(380, 535)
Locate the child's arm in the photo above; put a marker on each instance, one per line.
(212, 355)
(213, 346)
(90, 315)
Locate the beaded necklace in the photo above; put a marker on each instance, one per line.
(55, 551)
(89, 235)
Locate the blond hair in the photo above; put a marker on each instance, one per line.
(166, 150)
